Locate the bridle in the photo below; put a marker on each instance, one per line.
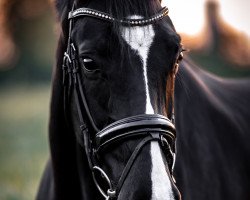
(149, 127)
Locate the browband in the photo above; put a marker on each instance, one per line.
(107, 17)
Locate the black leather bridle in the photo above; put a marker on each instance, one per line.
(148, 127)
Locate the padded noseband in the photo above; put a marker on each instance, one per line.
(139, 125)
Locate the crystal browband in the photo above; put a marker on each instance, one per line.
(104, 16)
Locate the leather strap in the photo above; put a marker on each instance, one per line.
(132, 159)
(135, 126)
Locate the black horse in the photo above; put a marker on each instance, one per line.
(116, 67)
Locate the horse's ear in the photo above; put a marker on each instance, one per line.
(63, 6)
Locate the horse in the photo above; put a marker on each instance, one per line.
(124, 101)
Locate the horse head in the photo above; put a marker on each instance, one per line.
(119, 68)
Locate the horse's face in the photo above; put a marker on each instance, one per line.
(125, 72)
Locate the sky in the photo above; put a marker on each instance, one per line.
(188, 15)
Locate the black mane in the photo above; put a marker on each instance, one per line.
(121, 9)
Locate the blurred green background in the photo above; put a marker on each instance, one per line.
(27, 49)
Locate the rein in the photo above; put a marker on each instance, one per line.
(148, 127)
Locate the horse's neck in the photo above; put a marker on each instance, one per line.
(192, 93)
(198, 91)
(212, 122)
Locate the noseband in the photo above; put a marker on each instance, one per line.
(148, 127)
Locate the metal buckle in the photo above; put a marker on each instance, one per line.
(165, 144)
(111, 193)
(66, 55)
(163, 141)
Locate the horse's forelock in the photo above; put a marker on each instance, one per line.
(116, 7)
(121, 9)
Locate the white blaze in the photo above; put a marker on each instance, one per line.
(161, 185)
(140, 40)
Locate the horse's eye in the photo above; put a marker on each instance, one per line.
(89, 64)
(180, 58)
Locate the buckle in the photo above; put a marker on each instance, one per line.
(111, 193)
